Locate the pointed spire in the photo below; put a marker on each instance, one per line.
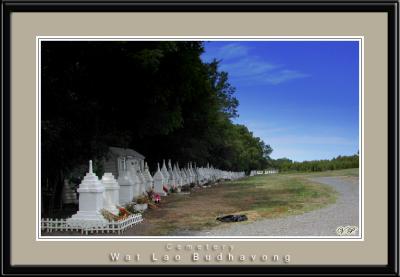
(90, 167)
(158, 166)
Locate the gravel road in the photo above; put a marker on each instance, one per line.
(321, 222)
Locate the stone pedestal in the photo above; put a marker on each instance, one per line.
(141, 207)
(111, 193)
(90, 199)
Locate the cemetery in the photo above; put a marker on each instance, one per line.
(130, 198)
(116, 201)
(144, 138)
(174, 200)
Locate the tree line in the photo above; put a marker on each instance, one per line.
(158, 98)
(340, 162)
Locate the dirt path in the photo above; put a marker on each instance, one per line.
(322, 222)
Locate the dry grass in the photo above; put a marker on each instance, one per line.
(267, 196)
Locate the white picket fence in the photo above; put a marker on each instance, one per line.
(86, 227)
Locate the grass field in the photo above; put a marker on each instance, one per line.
(265, 196)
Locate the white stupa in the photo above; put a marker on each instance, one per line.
(111, 193)
(90, 199)
(147, 178)
(127, 185)
(177, 175)
(158, 179)
(191, 174)
(132, 174)
(164, 172)
(171, 177)
(142, 184)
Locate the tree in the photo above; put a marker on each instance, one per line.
(158, 98)
(339, 162)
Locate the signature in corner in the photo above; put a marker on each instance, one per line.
(346, 230)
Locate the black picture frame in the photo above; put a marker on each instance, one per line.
(389, 7)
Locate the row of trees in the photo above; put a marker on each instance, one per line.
(340, 162)
(158, 98)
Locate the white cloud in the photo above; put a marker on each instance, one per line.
(233, 50)
(248, 67)
(283, 76)
(251, 69)
(227, 52)
(243, 66)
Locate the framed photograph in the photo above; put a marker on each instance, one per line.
(200, 138)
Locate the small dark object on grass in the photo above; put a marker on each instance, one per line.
(232, 218)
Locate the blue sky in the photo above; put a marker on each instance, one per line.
(301, 97)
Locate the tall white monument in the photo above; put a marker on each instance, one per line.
(132, 173)
(126, 183)
(171, 178)
(164, 172)
(177, 175)
(158, 179)
(111, 193)
(142, 184)
(147, 178)
(90, 199)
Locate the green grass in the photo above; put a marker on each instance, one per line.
(265, 196)
(279, 195)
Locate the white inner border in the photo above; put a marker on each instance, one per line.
(359, 39)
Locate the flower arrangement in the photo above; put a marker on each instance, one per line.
(130, 207)
(156, 198)
(142, 200)
(153, 197)
(123, 213)
(165, 189)
(150, 194)
(108, 215)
